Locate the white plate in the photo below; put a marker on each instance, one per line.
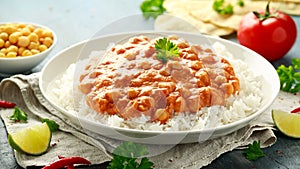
(257, 64)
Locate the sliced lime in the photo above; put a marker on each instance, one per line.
(32, 140)
(287, 123)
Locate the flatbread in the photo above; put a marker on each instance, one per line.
(179, 18)
(293, 1)
(291, 7)
(202, 10)
(203, 18)
(186, 22)
(207, 14)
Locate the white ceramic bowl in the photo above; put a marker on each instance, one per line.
(10, 66)
(260, 66)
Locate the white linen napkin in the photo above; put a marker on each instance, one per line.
(70, 140)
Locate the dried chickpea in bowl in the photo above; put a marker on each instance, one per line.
(20, 39)
(23, 46)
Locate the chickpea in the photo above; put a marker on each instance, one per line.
(39, 32)
(13, 38)
(21, 25)
(7, 44)
(20, 51)
(3, 50)
(48, 41)
(34, 51)
(11, 54)
(26, 53)
(9, 29)
(132, 93)
(47, 33)
(1, 43)
(33, 37)
(42, 48)
(196, 65)
(4, 36)
(41, 40)
(161, 115)
(25, 31)
(30, 28)
(12, 48)
(33, 45)
(23, 41)
(2, 55)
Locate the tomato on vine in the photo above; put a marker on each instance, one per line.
(271, 33)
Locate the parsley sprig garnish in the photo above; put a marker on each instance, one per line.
(152, 8)
(18, 115)
(253, 152)
(166, 50)
(290, 76)
(126, 154)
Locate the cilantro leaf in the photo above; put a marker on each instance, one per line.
(290, 76)
(18, 115)
(222, 8)
(254, 152)
(240, 3)
(145, 164)
(130, 149)
(52, 124)
(152, 8)
(296, 63)
(126, 154)
(166, 50)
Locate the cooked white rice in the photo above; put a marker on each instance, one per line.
(237, 107)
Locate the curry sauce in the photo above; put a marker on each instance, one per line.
(130, 81)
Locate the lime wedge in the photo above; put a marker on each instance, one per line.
(287, 123)
(33, 140)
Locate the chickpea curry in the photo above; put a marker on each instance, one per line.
(131, 81)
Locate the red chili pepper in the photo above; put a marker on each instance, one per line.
(296, 110)
(5, 104)
(66, 162)
(70, 166)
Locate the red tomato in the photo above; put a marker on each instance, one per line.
(271, 37)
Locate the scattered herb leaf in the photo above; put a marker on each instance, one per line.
(18, 115)
(290, 76)
(166, 50)
(52, 124)
(240, 3)
(223, 8)
(296, 63)
(126, 154)
(152, 8)
(254, 152)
